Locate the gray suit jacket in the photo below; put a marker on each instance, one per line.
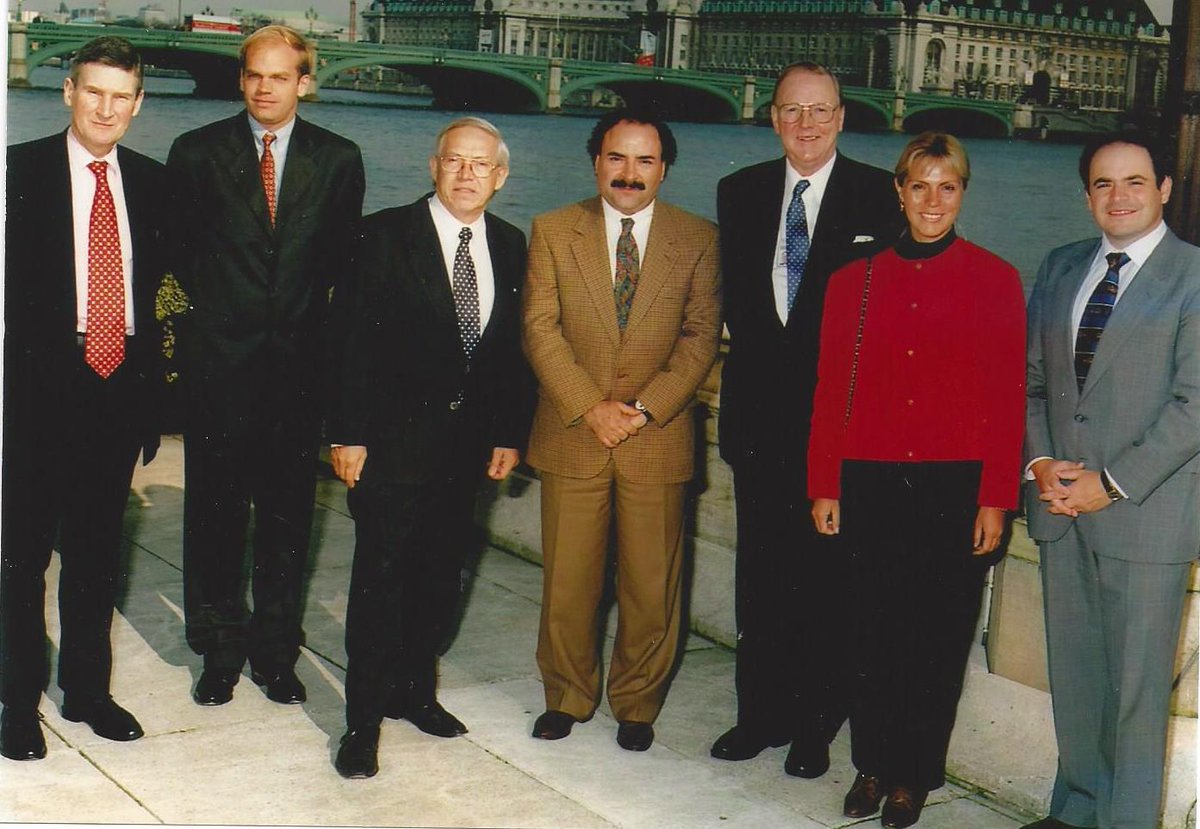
(1139, 412)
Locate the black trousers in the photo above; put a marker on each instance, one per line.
(73, 483)
(792, 668)
(411, 542)
(908, 530)
(267, 457)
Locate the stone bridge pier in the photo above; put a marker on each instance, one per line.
(18, 55)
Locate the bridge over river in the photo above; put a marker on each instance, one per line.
(516, 83)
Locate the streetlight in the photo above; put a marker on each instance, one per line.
(310, 16)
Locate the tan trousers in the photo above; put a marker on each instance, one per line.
(576, 516)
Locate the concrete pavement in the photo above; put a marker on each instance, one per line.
(255, 762)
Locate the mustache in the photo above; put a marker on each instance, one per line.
(625, 184)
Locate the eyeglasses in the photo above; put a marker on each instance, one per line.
(821, 113)
(454, 163)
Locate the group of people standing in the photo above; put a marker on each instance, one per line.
(878, 383)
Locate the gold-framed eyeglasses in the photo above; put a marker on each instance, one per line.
(822, 113)
(454, 163)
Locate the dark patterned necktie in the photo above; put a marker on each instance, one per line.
(797, 242)
(1095, 316)
(267, 170)
(628, 269)
(466, 293)
(104, 345)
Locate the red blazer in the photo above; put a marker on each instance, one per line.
(941, 369)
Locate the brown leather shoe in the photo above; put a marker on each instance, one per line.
(903, 807)
(864, 796)
(553, 725)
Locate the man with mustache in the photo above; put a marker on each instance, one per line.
(622, 312)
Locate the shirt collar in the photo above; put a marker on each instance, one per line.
(281, 134)
(443, 218)
(612, 216)
(818, 179)
(78, 156)
(1139, 251)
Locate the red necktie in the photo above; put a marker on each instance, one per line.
(267, 168)
(104, 345)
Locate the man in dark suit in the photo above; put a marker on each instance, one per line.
(786, 225)
(1113, 438)
(82, 375)
(264, 209)
(432, 393)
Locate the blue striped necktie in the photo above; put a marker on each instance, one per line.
(798, 242)
(1095, 316)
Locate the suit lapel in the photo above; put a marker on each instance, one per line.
(657, 265)
(764, 234)
(298, 170)
(1143, 293)
(1063, 303)
(423, 251)
(62, 222)
(239, 159)
(504, 295)
(590, 249)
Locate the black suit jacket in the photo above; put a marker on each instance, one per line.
(258, 294)
(402, 365)
(40, 350)
(770, 373)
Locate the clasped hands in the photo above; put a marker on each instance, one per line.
(614, 422)
(1068, 488)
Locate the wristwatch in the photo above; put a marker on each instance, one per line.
(1110, 488)
(641, 407)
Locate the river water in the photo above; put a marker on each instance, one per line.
(1024, 198)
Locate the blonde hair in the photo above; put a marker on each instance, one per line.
(934, 146)
(306, 52)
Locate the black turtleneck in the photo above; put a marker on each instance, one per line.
(909, 248)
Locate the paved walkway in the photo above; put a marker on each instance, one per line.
(255, 762)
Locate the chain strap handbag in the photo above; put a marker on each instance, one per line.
(862, 318)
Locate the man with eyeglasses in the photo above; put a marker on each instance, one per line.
(432, 394)
(786, 225)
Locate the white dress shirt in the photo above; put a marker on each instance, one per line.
(279, 147)
(448, 229)
(612, 232)
(83, 193)
(1138, 253)
(812, 198)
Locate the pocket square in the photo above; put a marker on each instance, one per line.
(858, 239)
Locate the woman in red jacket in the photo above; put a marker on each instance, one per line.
(914, 458)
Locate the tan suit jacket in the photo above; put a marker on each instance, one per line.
(581, 357)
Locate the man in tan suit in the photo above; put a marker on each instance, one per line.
(622, 311)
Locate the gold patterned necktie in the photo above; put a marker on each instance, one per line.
(628, 270)
(104, 344)
(267, 169)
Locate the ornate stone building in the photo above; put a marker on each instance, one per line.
(1103, 55)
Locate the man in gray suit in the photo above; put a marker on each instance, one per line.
(1113, 434)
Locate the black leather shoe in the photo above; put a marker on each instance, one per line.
(738, 743)
(107, 719)
(864, 796)
(358, 755)
(635, 736)
(215, 686)
(433, 719)
(1050, 823)
(806, 760)
(282, 686)
(553, 725)
(903, 807)
(21, 735)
